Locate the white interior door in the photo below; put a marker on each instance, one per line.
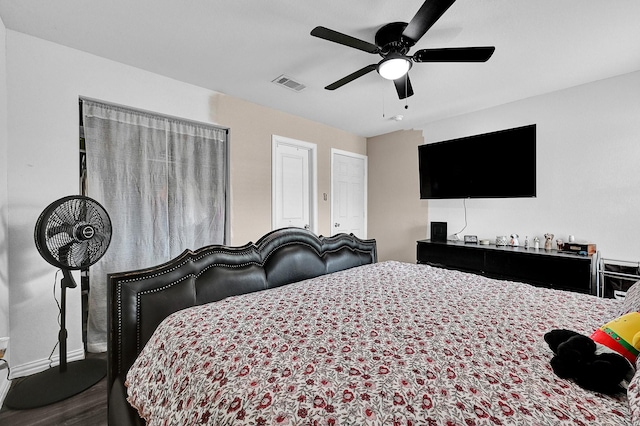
(348, 193)
(293, 184)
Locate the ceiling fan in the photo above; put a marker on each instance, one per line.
(393, 41)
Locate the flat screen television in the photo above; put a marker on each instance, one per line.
(499, 164)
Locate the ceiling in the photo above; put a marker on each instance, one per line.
(238, 47)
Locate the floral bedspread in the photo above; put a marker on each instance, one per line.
(383, 344)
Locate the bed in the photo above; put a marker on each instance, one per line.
(298, 329)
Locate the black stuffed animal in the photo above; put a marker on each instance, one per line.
(577, 357)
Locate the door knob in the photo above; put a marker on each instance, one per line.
(336, 225)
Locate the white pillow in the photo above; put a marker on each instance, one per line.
(631, 301)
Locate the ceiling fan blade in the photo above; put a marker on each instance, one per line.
(429, 13)
(351, 77)
(403, 86)
(454, 54)
(345, 40)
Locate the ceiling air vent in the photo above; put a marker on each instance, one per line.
(289, 83)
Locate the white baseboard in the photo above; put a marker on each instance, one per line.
(39, 365)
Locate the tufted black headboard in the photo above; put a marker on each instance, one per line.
(139, 300)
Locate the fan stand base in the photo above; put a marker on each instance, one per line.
(52, 386)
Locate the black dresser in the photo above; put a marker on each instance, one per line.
(546, 268)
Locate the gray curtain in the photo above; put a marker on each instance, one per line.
(164, 184)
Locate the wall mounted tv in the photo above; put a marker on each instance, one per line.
(491, 165)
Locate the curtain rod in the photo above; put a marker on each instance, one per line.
(144, 111)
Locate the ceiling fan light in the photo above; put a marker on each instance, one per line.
(394, 67)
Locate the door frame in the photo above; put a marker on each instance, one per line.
(313, 177)
(335, 152)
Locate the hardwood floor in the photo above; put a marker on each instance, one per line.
(84, 409)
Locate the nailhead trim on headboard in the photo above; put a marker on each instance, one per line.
(257, 255)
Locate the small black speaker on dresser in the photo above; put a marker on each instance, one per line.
(439, 231)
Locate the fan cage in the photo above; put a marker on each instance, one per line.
(73, 232)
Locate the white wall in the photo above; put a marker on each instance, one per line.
(44, 81)
(588, 152)
(4, 273)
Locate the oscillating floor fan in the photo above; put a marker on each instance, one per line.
(71, 233)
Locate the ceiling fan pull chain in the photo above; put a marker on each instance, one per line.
(406, 96)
